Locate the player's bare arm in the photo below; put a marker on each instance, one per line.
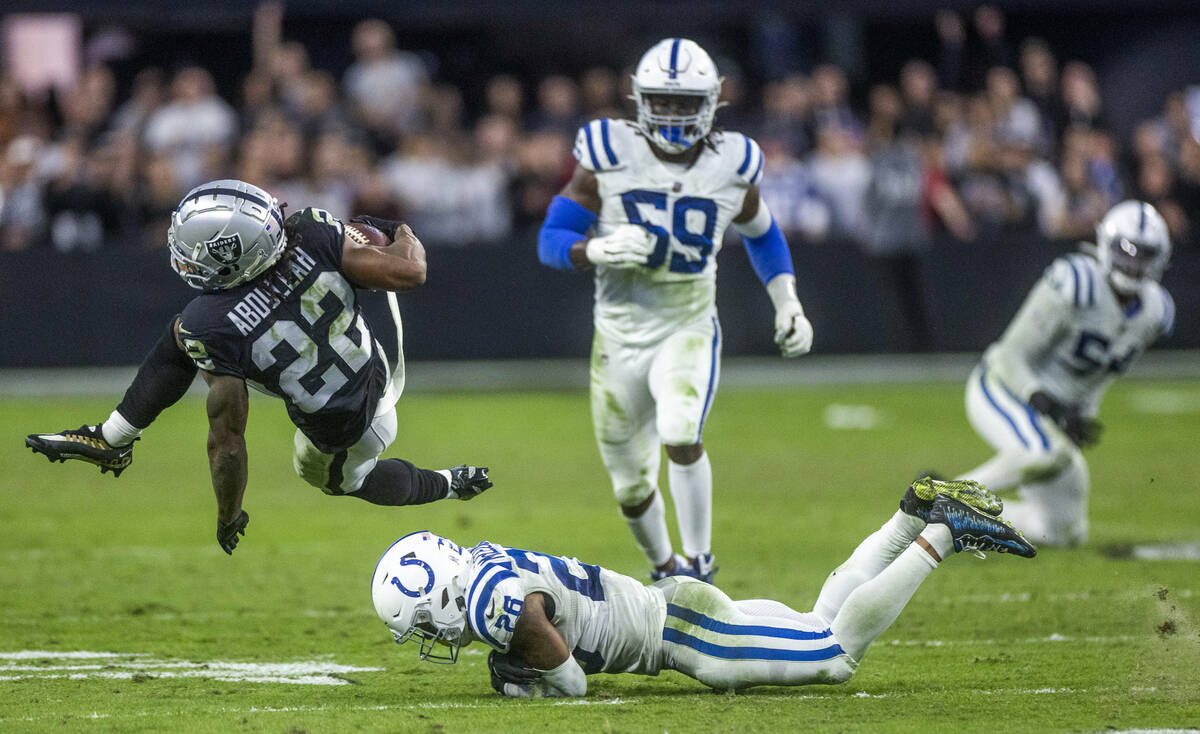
(398, 267)
(228, 408)
(535, 640)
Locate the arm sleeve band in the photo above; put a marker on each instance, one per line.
(567, 222)
(769, 253)
(568, 679)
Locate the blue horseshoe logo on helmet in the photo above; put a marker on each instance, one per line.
(407, 591)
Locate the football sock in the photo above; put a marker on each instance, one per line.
(938, 536)
(771, 608)
(163, 377)
(118, 431)
(396, 482)
(650, 531)
(872, 607)
(871, 556)
(691, 490)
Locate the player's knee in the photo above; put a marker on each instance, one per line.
(685, 455)
(634, 497)
(678, 428)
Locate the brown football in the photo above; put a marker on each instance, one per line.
(365, 234)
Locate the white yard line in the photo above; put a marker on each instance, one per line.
(25, 664)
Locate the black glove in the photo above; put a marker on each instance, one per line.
(1082, 431)
(227, 535)
(508, 668)
(387, 226)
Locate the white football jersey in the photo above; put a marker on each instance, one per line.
(688, 208)
(610, 622)
(1072, 336)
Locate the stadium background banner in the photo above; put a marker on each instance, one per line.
(500, 303)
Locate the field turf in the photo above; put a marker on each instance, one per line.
(118, 612)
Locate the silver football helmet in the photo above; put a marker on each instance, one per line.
(1133, 245)
(418, 591)
(225, 233)
(676, 88)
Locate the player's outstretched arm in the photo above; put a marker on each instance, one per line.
(228, 409)
(772, 261)
(540, 647)
(398, 267)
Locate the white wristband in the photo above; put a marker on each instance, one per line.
(568, 679)
(782, 290)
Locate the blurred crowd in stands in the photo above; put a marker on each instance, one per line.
(988, 136)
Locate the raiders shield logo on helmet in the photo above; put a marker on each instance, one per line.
(226, 250)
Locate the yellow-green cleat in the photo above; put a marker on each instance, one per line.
(918, 500)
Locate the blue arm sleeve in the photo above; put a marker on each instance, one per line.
(567, 222)
(769, 253)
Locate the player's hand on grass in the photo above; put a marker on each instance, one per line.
(627, 246)
(510, 675)
(793, 332)
(227, 533)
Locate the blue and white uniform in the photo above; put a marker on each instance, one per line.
(614, 624)
(656, 353)
(1071, 338)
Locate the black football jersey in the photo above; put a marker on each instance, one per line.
(296, 332)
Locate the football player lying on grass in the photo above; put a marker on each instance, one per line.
(551, 621)
(278, 311)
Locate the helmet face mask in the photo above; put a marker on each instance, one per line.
(676, 88)
(1133, 246)
(418, 593)
(225, 233)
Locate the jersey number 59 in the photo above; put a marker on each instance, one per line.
(695, 247)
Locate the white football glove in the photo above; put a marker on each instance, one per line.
(627, 246)
(793, 332)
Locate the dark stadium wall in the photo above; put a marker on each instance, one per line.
(500, 303)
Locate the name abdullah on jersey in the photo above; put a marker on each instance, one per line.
(686, 208)
(610, 622)
(297, 333)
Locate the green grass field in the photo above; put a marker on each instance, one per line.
(1078, 640)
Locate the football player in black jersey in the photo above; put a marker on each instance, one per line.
(278, 311)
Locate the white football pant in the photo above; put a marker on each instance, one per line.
(1034, 456)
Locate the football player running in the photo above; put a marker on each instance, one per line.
(278, 311)
(1036, 394)
(647, 207)
(551, 621)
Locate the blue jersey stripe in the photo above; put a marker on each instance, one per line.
(1075, 280)
(746, 162)
(1028, 411)
(1080, 262)
(712, 376)
(758, 170)
(612, 157)
(988, 394)
(479, 606)
(705, 622)
(587, 132)
(730, 652)
(674, 58)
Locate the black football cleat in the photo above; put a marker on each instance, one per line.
(468, 482)
(977, 531)
(83, 444)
